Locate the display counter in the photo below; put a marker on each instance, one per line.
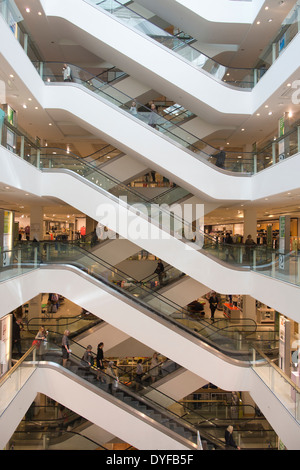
(231, 312)
(265, 315)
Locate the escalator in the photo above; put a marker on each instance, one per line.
(171, 55)
(127, 213)
(150, 323)
(219, 334)
(161, 428)
(179, 163)
(177, 421)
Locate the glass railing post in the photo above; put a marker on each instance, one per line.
(273, 153)
(274, 47)
(273, 265)
(38, 158)
(254, 259)
(45, 442)
(19, 260)
(47, 252)
(298, 137)
(255, 77)
(26, 43)
(254, 163)
(41, 69)
(35, 256)
(22, 146)
(240, 254)
(253, 357)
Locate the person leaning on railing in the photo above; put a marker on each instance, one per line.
(249, 244)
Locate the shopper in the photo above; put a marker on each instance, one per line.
(153, 118)
(159, 271)
(87, 359)
(249, 244)
(94, 239)
(213, 303)
(16, 334)
(67, 73)
(133, 109)
(100, 362)
(154, 367)
(112, 377)
(229, 441)
(65, 346)
(40, 339)
(139, 374)
(228, 247)
(220, 158)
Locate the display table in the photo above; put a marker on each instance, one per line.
(265, 315)
(231, 312)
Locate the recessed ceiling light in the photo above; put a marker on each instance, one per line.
(270, 113)
(40, 13)
(24, 106)
(27, 10)
(11, 75)
(257, 114)
(29, 99)
(270, 20)
(258, 22)
(36, 107)
(243, 130)
(50, 124)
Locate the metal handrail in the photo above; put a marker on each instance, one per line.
(17, 365)
(277, 369)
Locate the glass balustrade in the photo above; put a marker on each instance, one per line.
(229, 337)
(278, 382)
(236, 161)
(178, 43)
(283, 266)
(241, 162)
(15, 379)
(238, 77)
(184, 417)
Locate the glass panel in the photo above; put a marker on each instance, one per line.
(12, 382)
(237, 77)
(287, 392)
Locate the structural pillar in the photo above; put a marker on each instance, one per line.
(249, 307)
(250, 223)
(36, 223)
(36, 231)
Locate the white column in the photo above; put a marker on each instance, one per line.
(36, 223)
(249, 307)
(250, 223)
(36, 230)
